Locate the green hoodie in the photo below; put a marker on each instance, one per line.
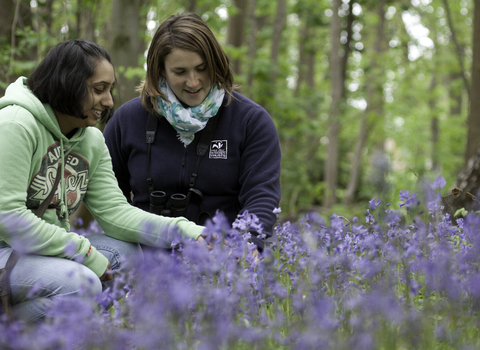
(31, 147)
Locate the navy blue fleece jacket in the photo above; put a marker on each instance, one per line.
(241, 170)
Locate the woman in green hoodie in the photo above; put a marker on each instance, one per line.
(45, 136)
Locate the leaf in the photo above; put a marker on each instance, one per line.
(461, 212)
(456, 191)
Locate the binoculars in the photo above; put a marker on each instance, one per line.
(158, 204)
(178, 204)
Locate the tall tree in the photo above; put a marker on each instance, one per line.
(15, 14)
(455, 94)
(279, 22)
(7, 16)
(46, 15)
(86, 19)
(278, 27)
(458, 46)
(374, 98)
(127, 47)
(337, 93)
(6, 19)
(307, 45)
(434, 126)
(473, 128)
(192, 5)
(236, 30)
(252, 44)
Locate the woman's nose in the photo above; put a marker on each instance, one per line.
(108, 100)
(192, 80)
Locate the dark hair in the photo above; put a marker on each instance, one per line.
(61, 78)
(188, 32)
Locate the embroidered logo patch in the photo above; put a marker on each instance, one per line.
(218, 149)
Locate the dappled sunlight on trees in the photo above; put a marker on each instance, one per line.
(369, 97)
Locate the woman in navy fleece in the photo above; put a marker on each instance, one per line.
(189, 82)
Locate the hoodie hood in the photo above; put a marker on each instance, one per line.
(19, 94)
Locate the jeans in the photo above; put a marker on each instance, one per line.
(49, 279)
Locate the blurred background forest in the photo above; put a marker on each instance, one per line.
(370, 97)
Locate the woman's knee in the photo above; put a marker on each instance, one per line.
(38, 283)
(81, 280)
(116, 251)
(46, 277)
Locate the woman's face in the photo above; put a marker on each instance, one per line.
(99, 99)
(188, 76)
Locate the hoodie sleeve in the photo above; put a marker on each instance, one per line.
(21, 228)
(259, 173)
(119, 219)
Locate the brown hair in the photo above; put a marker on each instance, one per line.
(188, 32)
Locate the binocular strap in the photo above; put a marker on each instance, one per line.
(202, 148)
(5, 291)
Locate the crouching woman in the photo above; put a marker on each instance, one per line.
(52, 159)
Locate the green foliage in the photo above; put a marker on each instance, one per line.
(131, 73)
(10, 66)
(236, 53)
(460, 213)
(403, 84)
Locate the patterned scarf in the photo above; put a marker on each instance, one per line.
(188, 121)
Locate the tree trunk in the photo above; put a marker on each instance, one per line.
(310, 80)
(346, 47)
(374, 108)
(434, 125)
(468, 180)
(307, 48)
(45, 14)
(337, 93)
(192, 5)
(127, 47)
(474, 111)
(302, 56)
(14, 14)
(236, 31)
(85, 26)
(6, 18)
(455, 94)
(278, 26)
(458, 46)
(357, 159)
(252, 45)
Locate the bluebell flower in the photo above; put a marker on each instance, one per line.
(374, 203)
(326, 285)
(439, 183)
(409, 201)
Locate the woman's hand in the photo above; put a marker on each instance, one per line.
(256, 257)
(202, 242)
(255, 253)
(107, 276)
